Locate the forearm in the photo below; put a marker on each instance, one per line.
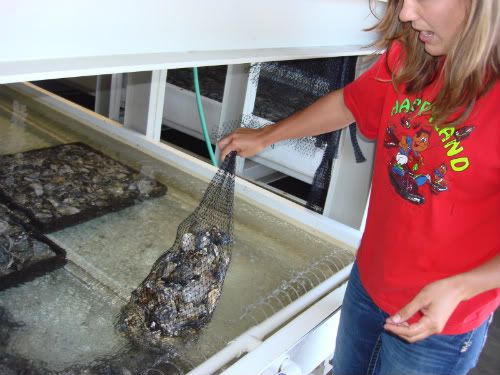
(327, 114)
(480, 279)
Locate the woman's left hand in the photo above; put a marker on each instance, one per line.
(436, 302)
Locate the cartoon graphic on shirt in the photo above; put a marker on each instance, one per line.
(406, 164)
(410, 141)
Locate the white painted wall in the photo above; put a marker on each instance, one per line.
(72, 38)
(34, 29)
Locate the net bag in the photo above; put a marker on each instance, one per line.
(184, 285)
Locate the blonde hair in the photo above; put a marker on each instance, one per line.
(471, 66)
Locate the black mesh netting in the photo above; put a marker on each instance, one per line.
(289, 86)
(184, 285)
(283, 88)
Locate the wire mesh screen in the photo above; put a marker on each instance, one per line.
(301, 282)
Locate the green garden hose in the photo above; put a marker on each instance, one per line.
(202, 117)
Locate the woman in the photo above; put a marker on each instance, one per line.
(427, 276)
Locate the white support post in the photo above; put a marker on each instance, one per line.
(251, 89)
(102, 94)
(115, 96)
(144, 102)
(349, 183)
(349, 189)
(248, 105)
(156, 103)
(233, 102)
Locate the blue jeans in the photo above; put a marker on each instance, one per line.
(363, 347)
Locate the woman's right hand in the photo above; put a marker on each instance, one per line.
(245, 141)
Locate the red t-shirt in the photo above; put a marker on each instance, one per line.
(434, 209)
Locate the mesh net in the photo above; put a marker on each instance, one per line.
(289, 86)
(283, 88)
(184, 285)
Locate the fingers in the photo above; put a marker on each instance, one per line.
(417, 331)
(225, 141)
(406, 331)
(246, 142)
(398, 325)
(435, 302)
(408, 311)
(225, 146)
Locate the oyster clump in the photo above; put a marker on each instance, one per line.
(67, 184)
(184, 286)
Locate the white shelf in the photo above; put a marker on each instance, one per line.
(31, 70)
